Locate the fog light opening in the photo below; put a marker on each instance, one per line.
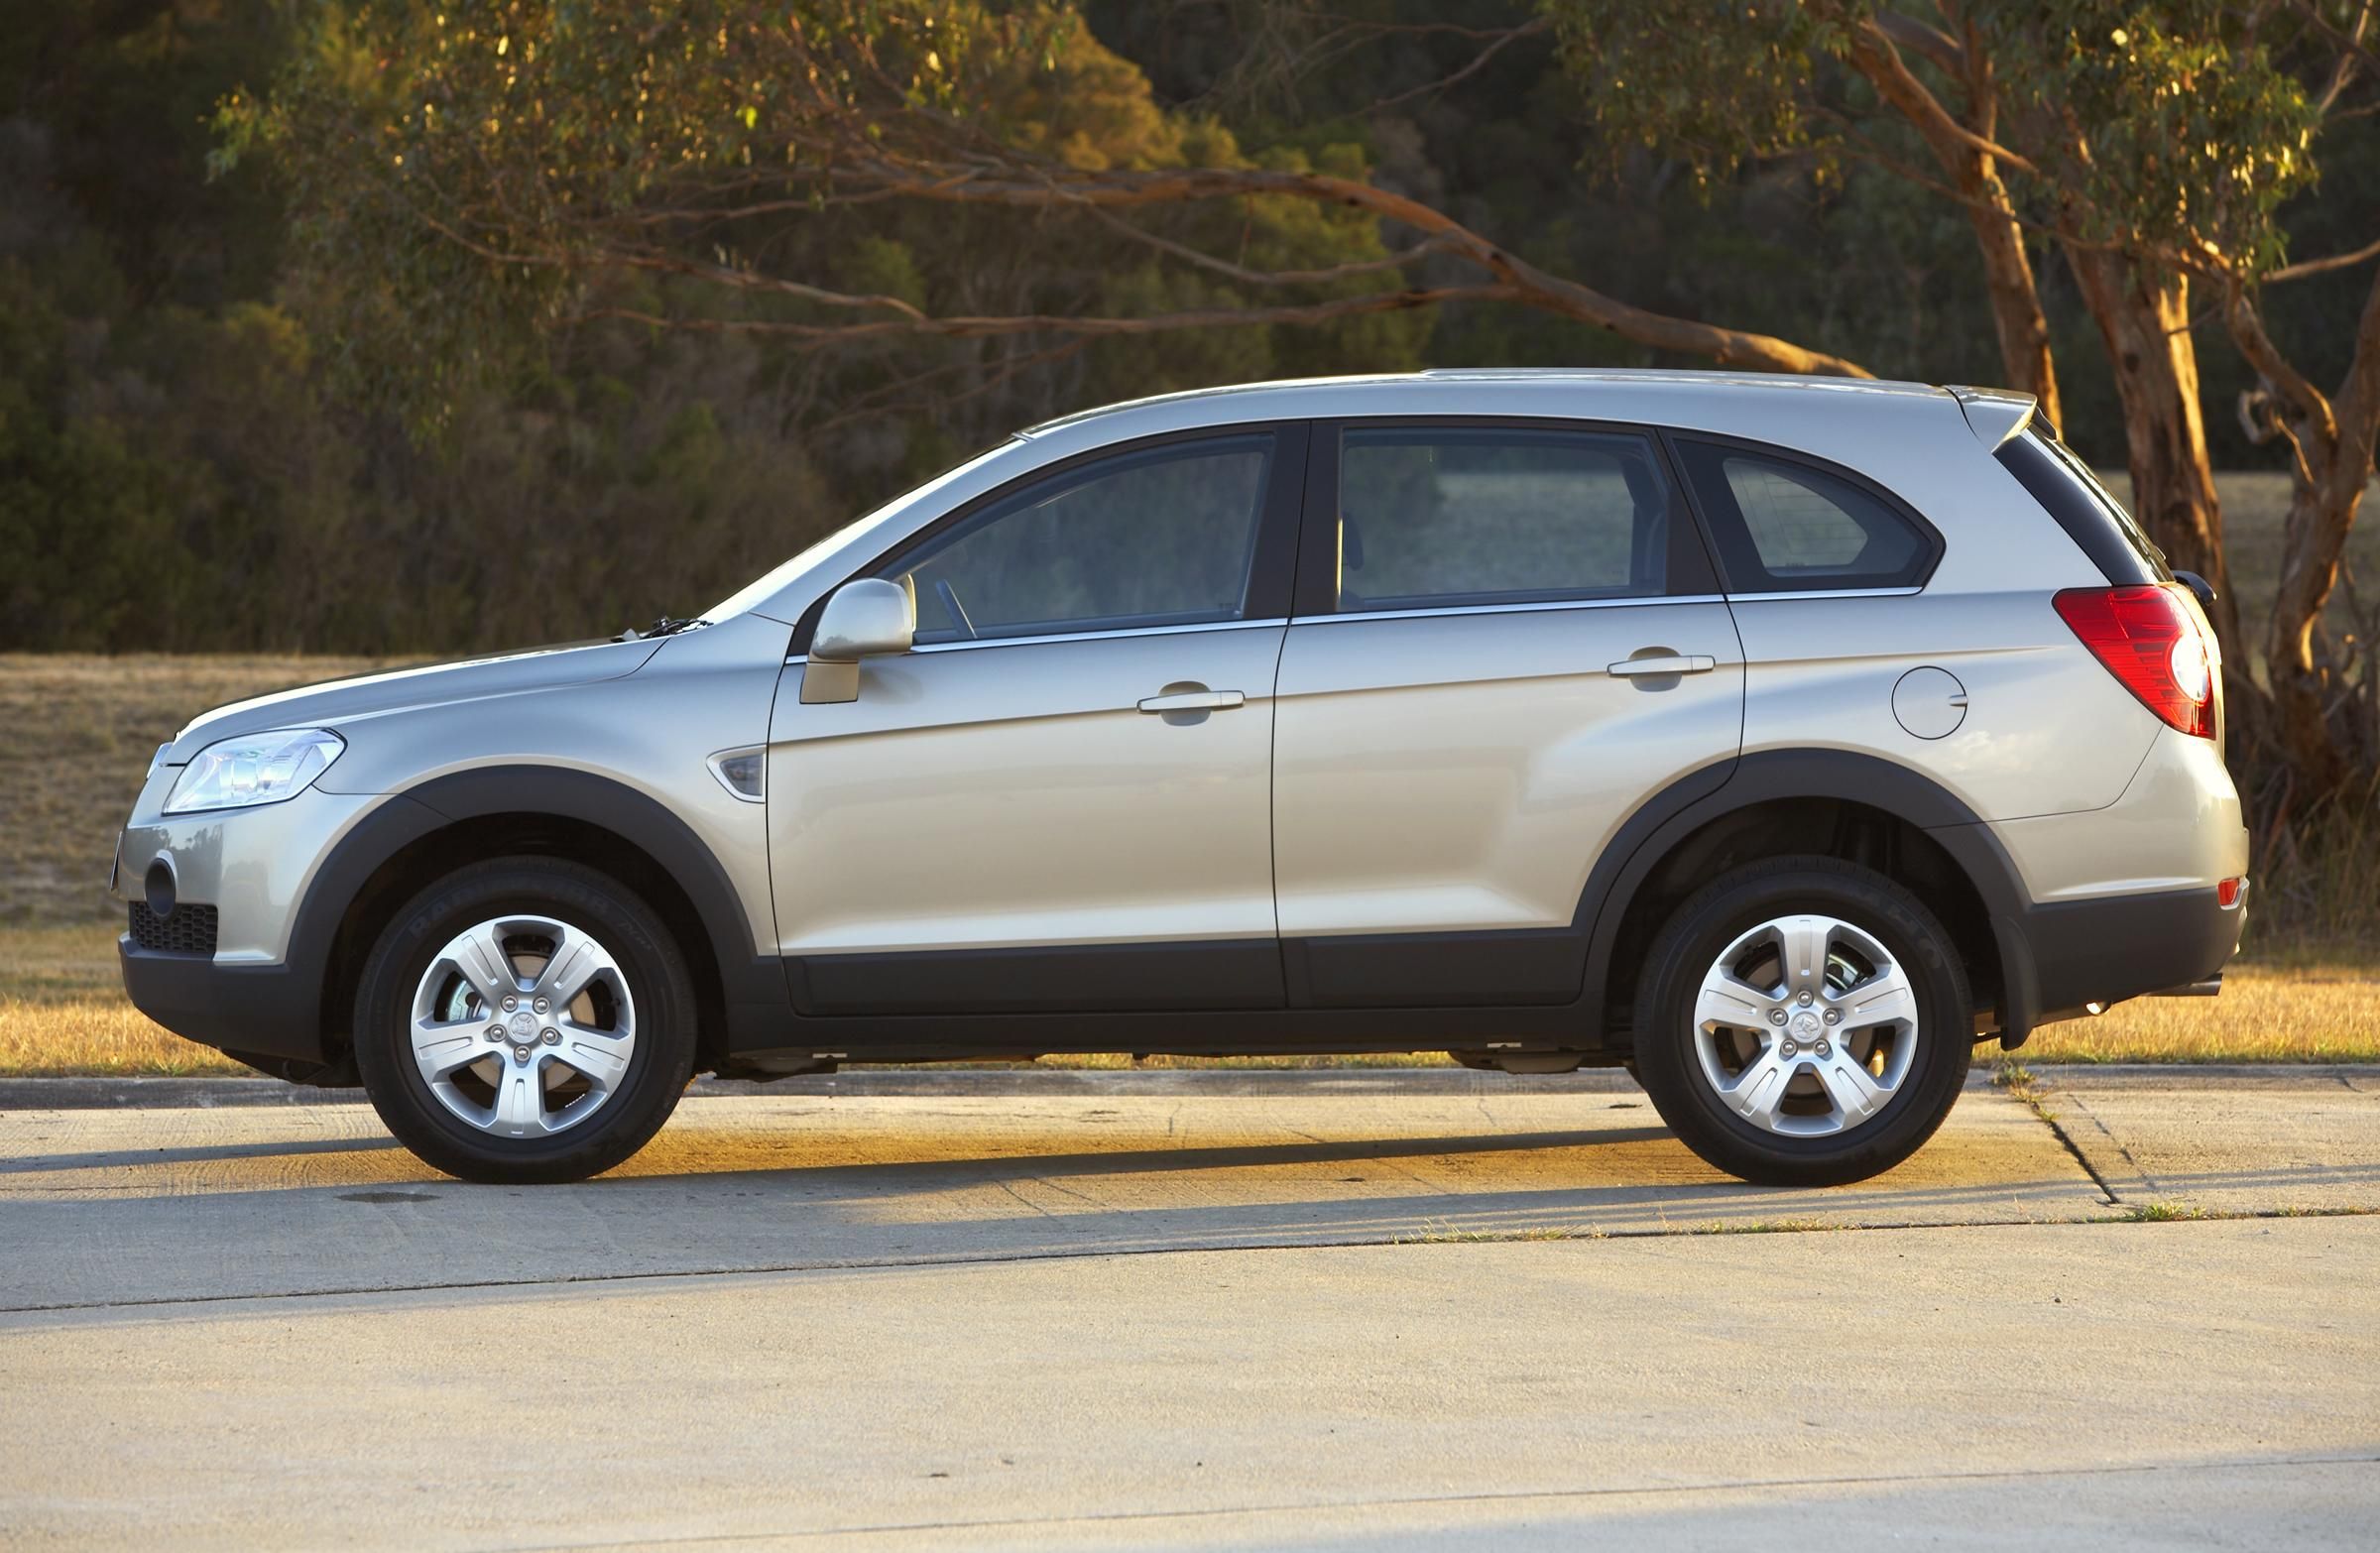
(156, 887)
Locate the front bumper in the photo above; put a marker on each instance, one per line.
(259, 992)
(249, 1010)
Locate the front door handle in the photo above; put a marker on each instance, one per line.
(1666, 663)
(1194, 701)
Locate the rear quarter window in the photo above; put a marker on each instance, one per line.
(1782, 523)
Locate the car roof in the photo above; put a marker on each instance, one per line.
(1615, 393)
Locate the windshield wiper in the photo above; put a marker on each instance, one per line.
(663, 627)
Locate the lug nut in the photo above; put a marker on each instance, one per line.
(1803, 999)
(1789, 1049)
(510, 1004)
(496, 1033)
(1834, 1016)
(553, 1037)
(1776, 1015)
(540, 1006)
(1824, 1050)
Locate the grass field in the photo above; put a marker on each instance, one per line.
(81, 731)
(61, 1010)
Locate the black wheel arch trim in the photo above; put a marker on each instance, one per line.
(1648, 837)
(752, 986)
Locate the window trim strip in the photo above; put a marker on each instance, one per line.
(1535, 606)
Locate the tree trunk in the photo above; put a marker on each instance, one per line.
(2305, 684)
(1961, 148)
(2326, 736)
(2015, 299)
(2143, 314)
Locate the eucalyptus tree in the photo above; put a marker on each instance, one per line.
(873, 183)
(723, 165)
(2152, 147)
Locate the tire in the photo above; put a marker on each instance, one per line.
(575, 1084)
(1782, 1105)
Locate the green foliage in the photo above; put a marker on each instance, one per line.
(2166, 126)
(1728, 83)
(491, 180)
(2171, 126)
(273, 408)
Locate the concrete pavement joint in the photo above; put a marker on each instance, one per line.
(2025, 1095)
(1497, 1496)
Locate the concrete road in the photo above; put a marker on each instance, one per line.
(1201, 1311)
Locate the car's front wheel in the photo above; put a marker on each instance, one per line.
(1803, 1022)
(524, 1020)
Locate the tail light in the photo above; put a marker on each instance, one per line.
(2152, 638)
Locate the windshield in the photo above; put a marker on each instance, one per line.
(758, 591)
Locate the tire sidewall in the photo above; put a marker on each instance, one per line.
(1715, 917)
(578, 897)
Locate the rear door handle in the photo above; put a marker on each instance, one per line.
(1195, 701)
(1666, 663)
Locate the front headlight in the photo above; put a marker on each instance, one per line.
(262, 768)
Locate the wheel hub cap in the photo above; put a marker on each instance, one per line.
(523, 1026)
(1805, 1026)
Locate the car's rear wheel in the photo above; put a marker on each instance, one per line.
(524, 1020)
(1803, 1022)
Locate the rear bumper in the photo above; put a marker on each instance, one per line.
(2060, 956)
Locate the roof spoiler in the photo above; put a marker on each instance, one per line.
(1996, 414)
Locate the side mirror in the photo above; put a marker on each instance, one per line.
(866, 618)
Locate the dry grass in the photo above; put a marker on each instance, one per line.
(95, 1036)
(63, 1011)
(2266, 1013)
(81, 731)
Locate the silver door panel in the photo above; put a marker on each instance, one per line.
(1017, 794)
(1454, 772)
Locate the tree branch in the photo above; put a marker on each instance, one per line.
(1246, 275)
(1477, 62)
(1874, 57)
(823, 334)
(1908, 31)
(1515, 279)
(2324, 266)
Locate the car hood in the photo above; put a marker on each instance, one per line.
(327, 704)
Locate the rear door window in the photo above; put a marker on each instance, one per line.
(1440, 516)
(1783, 525)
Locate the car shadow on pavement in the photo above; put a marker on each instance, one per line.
(194, 1153)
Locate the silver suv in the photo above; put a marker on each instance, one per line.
(1777, 738)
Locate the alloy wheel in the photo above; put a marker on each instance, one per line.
(1806, 1027)
(523, 1026)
